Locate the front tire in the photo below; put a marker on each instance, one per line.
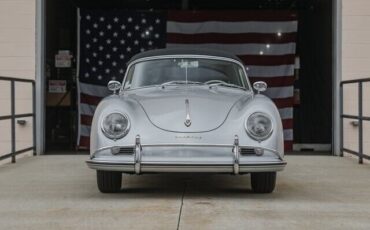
(263, 182)
(109, 182)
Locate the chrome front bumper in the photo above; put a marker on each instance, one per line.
(161, 158)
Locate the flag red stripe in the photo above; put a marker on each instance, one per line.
(275, 81)
(288, 145)
(86, 120)
(287, 123)
(268, 60)
(231, 16)
(88, 99)
(202, 38)
(283, 102)
(84, 142)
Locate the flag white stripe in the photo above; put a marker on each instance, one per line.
(86, 109)
(270, 71)
(288, 134)
(85, 130)
(242, 49)
(94, 90)
(231, 27)
(286, 113)
(280, 92)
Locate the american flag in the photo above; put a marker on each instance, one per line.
(264, 40)
(107, 41)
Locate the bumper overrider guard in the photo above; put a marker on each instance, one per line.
(138, 150)
(258, 163)
(236, 151)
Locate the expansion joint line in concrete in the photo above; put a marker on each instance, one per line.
(182, 203)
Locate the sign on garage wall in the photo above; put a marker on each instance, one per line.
(63, 59)
(57, 86)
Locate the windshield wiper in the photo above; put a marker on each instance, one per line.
(181, 83)
(226, 85)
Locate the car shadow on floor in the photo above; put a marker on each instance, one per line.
(192, 185)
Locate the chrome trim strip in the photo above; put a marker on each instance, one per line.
(92, 156)
(187, 118)
(166, 168)
(188, 145)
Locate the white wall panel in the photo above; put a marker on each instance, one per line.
(17, 59)
(356, 64)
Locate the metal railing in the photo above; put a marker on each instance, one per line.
(360, 119)
(13, 117)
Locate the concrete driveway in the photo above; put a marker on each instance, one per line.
(59, 192)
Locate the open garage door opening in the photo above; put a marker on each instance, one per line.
(299, 58)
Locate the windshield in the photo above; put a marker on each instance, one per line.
(185, 71)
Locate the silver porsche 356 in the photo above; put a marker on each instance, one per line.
(186, 111)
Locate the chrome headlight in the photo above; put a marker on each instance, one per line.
(259, 126)
(115, 125)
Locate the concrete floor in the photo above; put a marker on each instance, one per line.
(59, 192)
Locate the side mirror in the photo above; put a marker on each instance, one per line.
(114, 86)
(260, 86)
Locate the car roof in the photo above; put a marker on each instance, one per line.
(182, 51)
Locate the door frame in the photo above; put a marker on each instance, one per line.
(337, 73)
(40, 74)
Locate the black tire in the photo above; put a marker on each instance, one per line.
(109, 182)
(263, 182)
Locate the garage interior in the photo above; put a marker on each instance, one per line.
(313, 109)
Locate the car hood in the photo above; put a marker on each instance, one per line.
(207, 108)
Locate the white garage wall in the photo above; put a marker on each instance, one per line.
(356, 64)
(17, 59)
